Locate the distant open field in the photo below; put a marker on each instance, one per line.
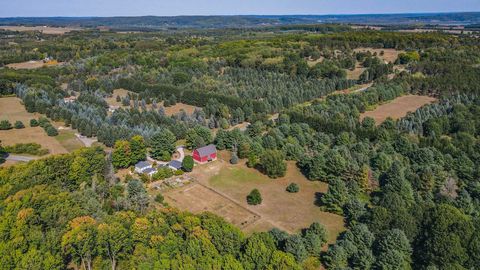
(11, 109)
(223, 189)
(171, 110)
(34, 64)
(397, 108)
(43, 29)
(389, 55)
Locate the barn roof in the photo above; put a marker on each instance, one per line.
(207, 150)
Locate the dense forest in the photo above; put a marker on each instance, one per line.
(408, 189)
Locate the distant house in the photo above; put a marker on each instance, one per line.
(175, 165)
(141, 166)
(150, 171)
(113, 108)
(70, 99)
(205, 154)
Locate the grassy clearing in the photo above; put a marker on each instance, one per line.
(298, 210)
(11, 109)
(68, 140)
(397, 108)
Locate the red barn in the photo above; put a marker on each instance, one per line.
(205, 154)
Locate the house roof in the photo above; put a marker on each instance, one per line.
(142, 164)
(150, 170)
(207, 150)
(175, 164)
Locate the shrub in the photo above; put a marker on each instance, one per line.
(234, 158)
(162, 173)
(187, 163)
(5, 125)
(43, 122)
(178, 172)
(51, 131)
(254, 197)
(293, 188)
(27, 148)
(19, 125)
(159, 198)
(33, 123)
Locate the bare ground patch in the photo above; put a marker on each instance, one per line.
(397, 108)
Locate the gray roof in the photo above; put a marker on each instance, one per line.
(175, 164)
(207, 150)
(142, 164)
(149, 170)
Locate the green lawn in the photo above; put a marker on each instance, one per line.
(235, 175)
(68, 140)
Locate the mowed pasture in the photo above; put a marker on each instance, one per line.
(44, 29)
(397, 108)
(224, 186)
(11, 109)
(171, 110)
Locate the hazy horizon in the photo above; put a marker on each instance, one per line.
(110, 8)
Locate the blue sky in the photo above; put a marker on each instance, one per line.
(39, 8)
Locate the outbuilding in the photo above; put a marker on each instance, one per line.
(141, 166)
(175, 165)
(205, 154)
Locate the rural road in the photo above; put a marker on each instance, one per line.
(20, 158)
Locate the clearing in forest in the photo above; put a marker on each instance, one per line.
(397, 108)
(287, 211)
(171, 110)
(34, 64)
(43, 29)
(389, 55)
(11, 109)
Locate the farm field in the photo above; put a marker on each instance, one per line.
(11, 109)
(234, 182)
(397, 108)
(43, 29)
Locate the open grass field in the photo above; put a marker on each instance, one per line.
(43, 29)
(112, 101)
(34, 64)
(222, 189)
(68, 140)
(397, 108)
(390, 55)
(11, 109)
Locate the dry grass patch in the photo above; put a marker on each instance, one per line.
(197, 198)
(389, 55)
(43, 29)
(34, 64)
(397, 108)
(286, 211)
(171, 110)
(11, 109)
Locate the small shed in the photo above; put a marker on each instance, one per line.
(141, 166)
(175, 165)
(205, 154)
